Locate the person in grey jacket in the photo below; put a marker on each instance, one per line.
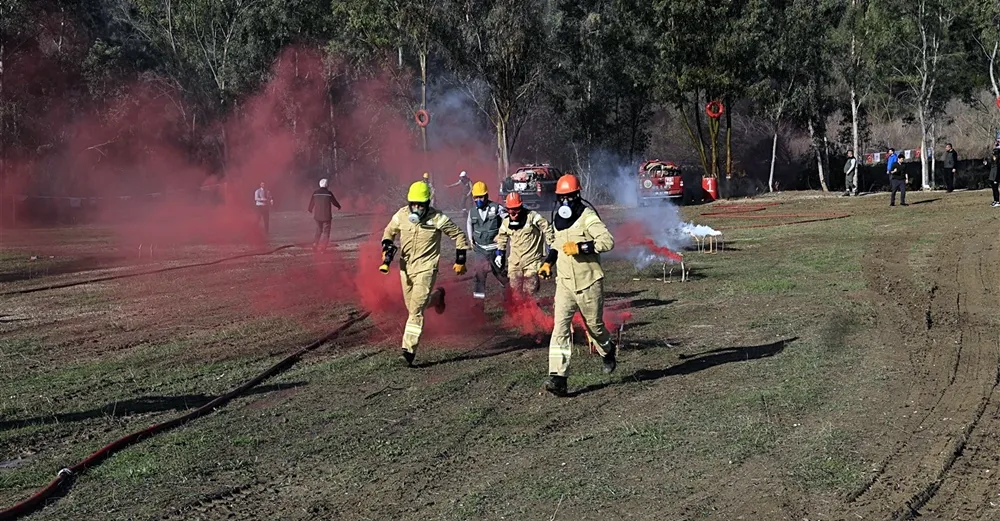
(950, 165)
(851, 174)
(320, 205)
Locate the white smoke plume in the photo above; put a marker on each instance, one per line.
(646, 228)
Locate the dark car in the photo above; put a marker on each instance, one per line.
(535, 183)
(658, 181)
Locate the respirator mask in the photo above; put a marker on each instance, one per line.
(480, 202)
(417, 212)
(566, 203)
(515, 216)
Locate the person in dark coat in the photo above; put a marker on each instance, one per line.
(950, 165)
(994, 161)
(321, 206)
(897, 182)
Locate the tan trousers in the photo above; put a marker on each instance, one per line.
(417, 296)
(523, 281)
(590, 304)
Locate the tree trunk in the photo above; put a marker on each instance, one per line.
(423, 98)
(333, 140)
(729, 141)
(819, 156)
(696, 141)
(923, 150)
(993, 75)
(503, 157)
(854, 137)
(932, 159)
(774, 154)
(713, 136)
(3, 143)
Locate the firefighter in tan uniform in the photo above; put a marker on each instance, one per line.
(527, 233)
(582, 237)
(420, 227)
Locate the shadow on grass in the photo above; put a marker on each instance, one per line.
(925, 201)
(695, 363)
(610, 295)
(510, 345)
(141, 405)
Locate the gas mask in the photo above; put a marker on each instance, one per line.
(515, 217)
(566, 204)
(417, 212)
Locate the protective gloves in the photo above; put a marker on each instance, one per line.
(459, 266)
(576, 248)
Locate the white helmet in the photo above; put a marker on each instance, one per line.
(462, 174)
(323, 183)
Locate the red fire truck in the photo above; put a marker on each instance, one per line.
(659, 180)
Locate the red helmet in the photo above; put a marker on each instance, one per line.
(513, 200)
(567, 184)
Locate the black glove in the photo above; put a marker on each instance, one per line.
(387, 245)
(460, 257)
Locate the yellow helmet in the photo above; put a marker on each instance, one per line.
(479, 189)
(419, 193)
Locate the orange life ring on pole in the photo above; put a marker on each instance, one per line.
(422, 117)
(715, 109)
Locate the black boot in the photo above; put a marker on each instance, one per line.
(610, 361)
(556, 385)
(439, 305)
(408, 357)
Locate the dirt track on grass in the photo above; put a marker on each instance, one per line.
(940, 336)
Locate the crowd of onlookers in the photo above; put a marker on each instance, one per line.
(948, 168)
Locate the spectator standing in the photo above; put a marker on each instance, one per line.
(263, 201)
(851, 174)
(993, 162)
(897, 182)
(950, 167)
(893, 158)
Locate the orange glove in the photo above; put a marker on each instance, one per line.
(459, 269)
(545, 271)
(570, 248)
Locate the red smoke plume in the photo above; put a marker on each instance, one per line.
(634, 235)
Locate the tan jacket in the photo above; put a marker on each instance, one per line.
(527, 244)
(579, 272)
(420, 244)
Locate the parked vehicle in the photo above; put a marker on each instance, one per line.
(658, 181)
(536, 184)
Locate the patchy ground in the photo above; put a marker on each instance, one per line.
(838, 369)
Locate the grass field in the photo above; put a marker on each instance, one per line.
(823, 370)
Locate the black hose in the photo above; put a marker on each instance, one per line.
(64, 476)
(141, 273)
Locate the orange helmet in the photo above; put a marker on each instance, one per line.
(513, 200)
(567, 184)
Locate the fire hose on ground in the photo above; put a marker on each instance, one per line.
(62, 285)
(747, 211)
(66, 475)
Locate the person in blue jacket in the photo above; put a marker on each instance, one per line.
(891, 161)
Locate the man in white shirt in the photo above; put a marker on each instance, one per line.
(262, 199)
